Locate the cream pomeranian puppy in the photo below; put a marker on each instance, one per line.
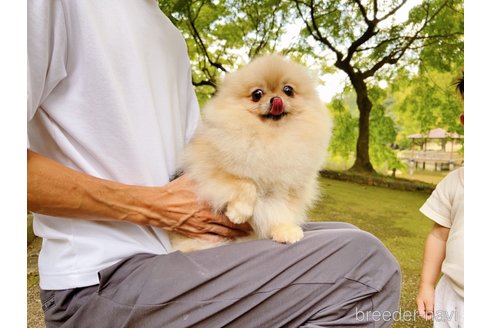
(258, 150)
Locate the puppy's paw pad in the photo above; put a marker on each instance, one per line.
(239, 212)
(287, 233)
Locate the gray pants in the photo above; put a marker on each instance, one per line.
(336, 276)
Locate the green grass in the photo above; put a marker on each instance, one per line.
(425, 176)
(391, 215)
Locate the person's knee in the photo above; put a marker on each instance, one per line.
(358, 252)
(345, 225)
(371, 259)
(369, 244)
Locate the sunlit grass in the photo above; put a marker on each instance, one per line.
(391, 215)
(337, 163)
(424, 176)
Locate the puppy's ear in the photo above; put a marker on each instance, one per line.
(225, 78)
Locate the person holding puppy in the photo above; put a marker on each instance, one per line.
(110, 107)
(444, 251)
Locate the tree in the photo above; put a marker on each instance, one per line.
(365, 38)
(427, 100)
(428, 95)
(221, 35)
(382, 124)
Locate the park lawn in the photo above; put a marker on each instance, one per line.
(391, 215)
(425, 176)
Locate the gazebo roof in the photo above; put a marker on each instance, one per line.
(437, 133)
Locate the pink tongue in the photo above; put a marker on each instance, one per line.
(277, 106)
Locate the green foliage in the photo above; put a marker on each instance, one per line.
(427, 101)
(344, 135)
(417, 57)
(444, 47)
(382, 127)
(367, 37)
(223, 35)
(383, 131)
(412, 104)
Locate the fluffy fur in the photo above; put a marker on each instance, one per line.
(256, 157)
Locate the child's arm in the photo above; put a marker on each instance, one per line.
(434, 253)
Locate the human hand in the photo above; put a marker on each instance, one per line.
(56, 190)
(175, 207)
(425, 301)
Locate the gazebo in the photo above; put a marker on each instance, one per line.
(434, 148)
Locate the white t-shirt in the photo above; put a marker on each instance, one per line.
(446, 207)
(109, 94)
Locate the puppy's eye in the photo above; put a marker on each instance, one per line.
(256, 95)
(289, 91)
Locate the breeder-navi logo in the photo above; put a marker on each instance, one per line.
(404, 316)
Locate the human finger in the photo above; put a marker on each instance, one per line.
(421, 308)
(198, 225)
(429, 308)
(426, 310)
(221, 219)
(227, 232)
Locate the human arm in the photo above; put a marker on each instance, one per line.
(54, 189)
(434, 254)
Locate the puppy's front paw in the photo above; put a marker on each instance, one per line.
(287, 233)
(239, 212)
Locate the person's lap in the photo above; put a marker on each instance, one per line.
(323, 280)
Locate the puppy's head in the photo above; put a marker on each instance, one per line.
(269, 89)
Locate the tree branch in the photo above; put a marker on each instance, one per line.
(391, 12)
(363, 12)
(367, 35)
(198, 39)
(204, 82)
(388, 59)
(375, 9)
(404, 37)
(394, 56)
(267, 26)
(314, 30)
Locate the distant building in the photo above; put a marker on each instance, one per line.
(436, 150)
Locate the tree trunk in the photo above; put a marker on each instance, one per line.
(362, 162)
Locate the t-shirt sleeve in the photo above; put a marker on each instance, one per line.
(46, 51)
(438, 206)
